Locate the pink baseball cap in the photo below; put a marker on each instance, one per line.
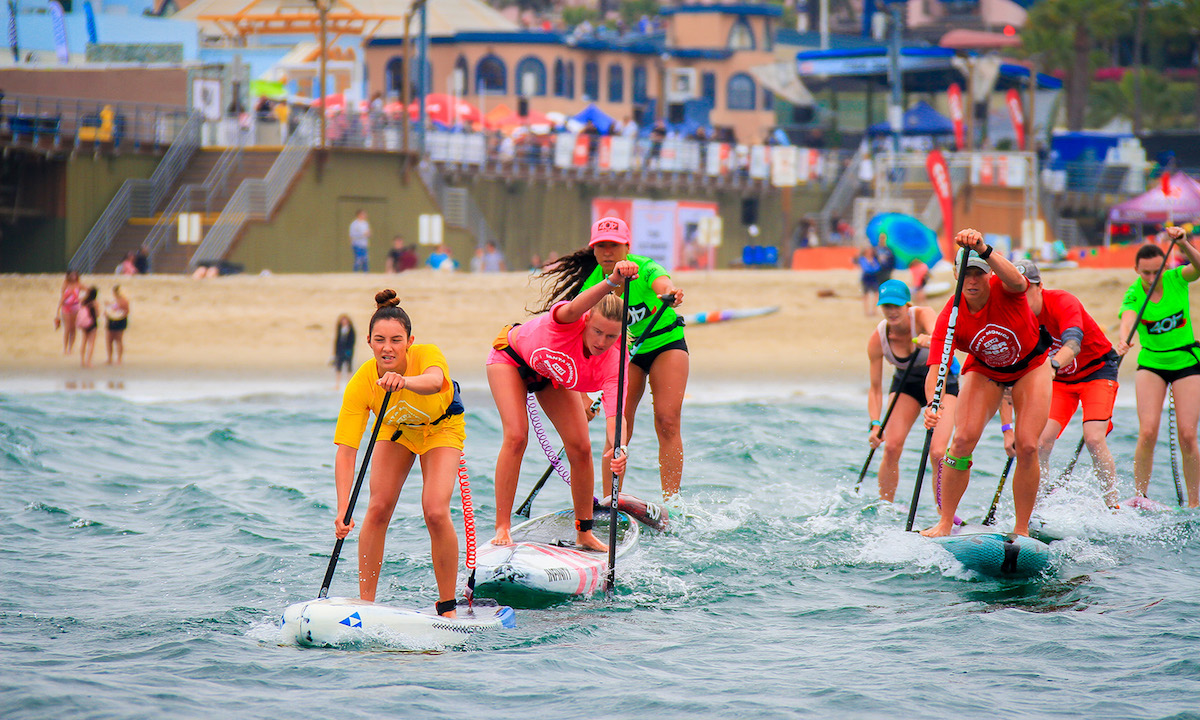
(610, 229)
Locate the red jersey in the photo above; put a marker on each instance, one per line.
(1062, 310)
(1002, 334)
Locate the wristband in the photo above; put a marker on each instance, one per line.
(875, 423)
(987, 252)
(1006, 427)
(611, 284)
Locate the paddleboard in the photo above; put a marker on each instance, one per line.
(1059, 529)
(935, 289)
(342, 622)
(715, 316)
(996, 554)
(544, 558)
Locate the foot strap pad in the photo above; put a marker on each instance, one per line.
(584, 525)
(445, 606)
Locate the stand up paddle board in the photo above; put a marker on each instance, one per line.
(1052, 529)
(543, 556)
(715, 316)
(996, 554)
(341, 622)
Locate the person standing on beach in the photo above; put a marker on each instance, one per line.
(1085, 372)
(1169, 358)
(116, 317)
(85, 320)
(424, 419)
(360, 238)
(569, 350)
(343, 346)
(1005, 347)
(868, 265)
(661, 352)
(68, 309)
(901, 338)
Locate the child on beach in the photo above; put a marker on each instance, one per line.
(343, 346)
(85, 320)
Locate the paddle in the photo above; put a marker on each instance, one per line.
(1172, 433)
(991, 513)
(943, 370)
(527, 506)
(1128, 341)
(362, 473)
(887, 416)
(611, 580)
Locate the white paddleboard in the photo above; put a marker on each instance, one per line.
(996, 554)
(934, 289)
(544, 558)
(350, 622)
(715, 316)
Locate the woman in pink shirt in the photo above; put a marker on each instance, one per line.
(568, 351)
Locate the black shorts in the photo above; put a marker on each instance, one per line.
(646, 359)
(914, 386)
(1170, 376)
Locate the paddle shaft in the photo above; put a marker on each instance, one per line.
(362, 473)
(887, 416)
(1128, 341)
(943, 371)
(991, 513)
(611, 580)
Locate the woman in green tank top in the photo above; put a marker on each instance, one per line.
(1169, 357)
(660, 353)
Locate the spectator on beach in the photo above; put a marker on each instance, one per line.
(142, 260)
(116, 317)
(493, 259)
(477, 260)
(887, 259)
(360, 236)
(68, 309)
(920, 278)
(401, 257)
(868, 264)
(442, 259)
(128, 266)
(343, 347)
(85, 320)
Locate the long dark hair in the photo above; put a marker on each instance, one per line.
(565, 276)
(389, 309)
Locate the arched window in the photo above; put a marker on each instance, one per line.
(591, 81)
(741, 37)
(639, 84)
(616, 83)
(768, 100)
(462, 71)
(394, 80)
(531, 67)
(708, 88)
(560, 79)
(739, 93)
(569, 85)
(491, 76)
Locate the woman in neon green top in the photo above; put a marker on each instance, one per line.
(1169, 357)
(660, 353)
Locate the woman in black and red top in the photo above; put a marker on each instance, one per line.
(1006, 347)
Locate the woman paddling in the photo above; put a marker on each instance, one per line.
(662, 352)
(569, 350)
(1169, 357)
(1006, 348)
(901, 338)
(424, 418)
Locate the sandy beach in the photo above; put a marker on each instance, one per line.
(281, 326)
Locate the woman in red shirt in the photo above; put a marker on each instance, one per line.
(1005, 347)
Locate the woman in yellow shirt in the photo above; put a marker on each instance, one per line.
(424, 418)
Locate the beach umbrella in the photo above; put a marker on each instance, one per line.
(907, 238)
(446, 109)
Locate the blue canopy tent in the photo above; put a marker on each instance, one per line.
(597, 117)
(921, 119)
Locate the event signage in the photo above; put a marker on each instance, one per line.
(867, 65)
(954, 95)
(666, 231)
(1013, 99)
(939, 176)
(58, 27)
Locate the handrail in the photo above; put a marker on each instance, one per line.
(257, 199)
(843, 194)
(475, 221)
(185, 200)
(137, 197)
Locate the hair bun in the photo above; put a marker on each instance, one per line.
(386, 298)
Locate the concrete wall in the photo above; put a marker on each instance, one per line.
(91, 183)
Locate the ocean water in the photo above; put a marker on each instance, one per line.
(150, 537)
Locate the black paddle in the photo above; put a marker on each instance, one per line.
(990, 519)
(1172, 433)
(611, 580)
(943, 370)
(362, 472)
(1128, 341)
(883, 425)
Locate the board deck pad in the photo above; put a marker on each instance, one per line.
(340, 622)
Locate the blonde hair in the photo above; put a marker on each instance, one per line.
(610, 307)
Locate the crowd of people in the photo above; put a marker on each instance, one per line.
(78, 315)
(1039, 349)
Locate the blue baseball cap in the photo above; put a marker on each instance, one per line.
(894, 292)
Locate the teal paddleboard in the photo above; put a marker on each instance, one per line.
(997, 554)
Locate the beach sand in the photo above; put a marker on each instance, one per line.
(279, 328)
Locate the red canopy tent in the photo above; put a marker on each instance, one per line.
(1157, 206)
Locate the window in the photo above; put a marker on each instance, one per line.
(531, 77)
(560, 79)
(616, 83)
(768, 100)
(739, 93)
(491, 76)
(708, 88)
(741, 37)
(461, 72)
(569, 85)
(591, 81)
(639, 84)
(394, 79)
